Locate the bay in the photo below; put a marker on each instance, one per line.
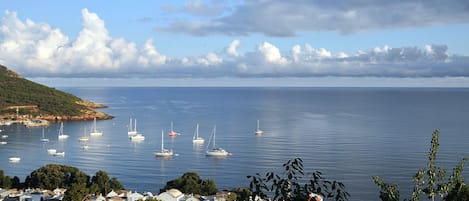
(349, 134)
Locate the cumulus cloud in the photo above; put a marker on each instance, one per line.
(37, 49)
(286, 18)
(149, 56)
(231, 50)
(271, 54)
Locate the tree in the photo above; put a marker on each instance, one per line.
(115, 184)
(460, 193)
(242, 193)
(77, 183)
(287, 186)
(100, 183)
(430, 180)
(190, 182)
(5, 181)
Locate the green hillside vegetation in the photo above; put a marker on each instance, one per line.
(42, 100)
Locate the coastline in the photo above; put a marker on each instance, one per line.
(89, 113)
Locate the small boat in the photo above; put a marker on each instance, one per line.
(62, 136)
(14, 159)
(137, 137)
(62, 154)
(3, 142)
(216, 151)
(172, 133)
(258, 130)
(164, 152)
(132, 131)
(4, 136)
(86, 146)
(84, 138)
(51, 151)
(43, 139)
(196, 139)
(94, 130)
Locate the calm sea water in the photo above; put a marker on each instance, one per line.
(350, 134)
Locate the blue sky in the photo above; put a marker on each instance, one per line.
(237, 43)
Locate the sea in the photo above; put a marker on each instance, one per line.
(348, 134)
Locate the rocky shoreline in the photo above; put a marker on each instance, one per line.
(87, 114)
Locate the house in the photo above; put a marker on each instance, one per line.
(171, 195)
(134, 196)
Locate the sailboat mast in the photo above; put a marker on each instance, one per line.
(257, 124)
(130, 125)
(135, 125)
(214, 133)
(162, 131)
(197, 132)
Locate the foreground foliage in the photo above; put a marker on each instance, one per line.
(77, 183)
(430, 180)
(190, 182)
(288, 186)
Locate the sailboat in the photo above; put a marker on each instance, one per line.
(14, 159)
(61, 132)
(134, 135)
(84, 138)
(94, 131)
(132, 131)
(259, 131)
(172, 133)
(164, 152)
(196, 139)
(216, 151)
(137, 137)
(43, 138)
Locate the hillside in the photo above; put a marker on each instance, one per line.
(38, 101)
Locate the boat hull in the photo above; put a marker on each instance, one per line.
(217, 152)
(164, 154)
(96, 133)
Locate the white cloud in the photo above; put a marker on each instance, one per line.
(231, 50)
(209, 60)
(271, 54)
(149, 56)
(296, 53)
(37, 49)
(342, 55)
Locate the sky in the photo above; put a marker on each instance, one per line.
(364, 43)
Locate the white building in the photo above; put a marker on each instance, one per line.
(171, 195)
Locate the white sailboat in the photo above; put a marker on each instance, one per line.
(196, 139)
(258, 130)
(164, 152)
(62, 154)
(43, 138)
(137, 137)
(51, 151)
(94, 130)
(14, 159)
(172, 133)
(132, 130)
(61, 132)
(84, 138)
(216, 151)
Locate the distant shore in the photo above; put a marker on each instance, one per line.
(89, 113)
